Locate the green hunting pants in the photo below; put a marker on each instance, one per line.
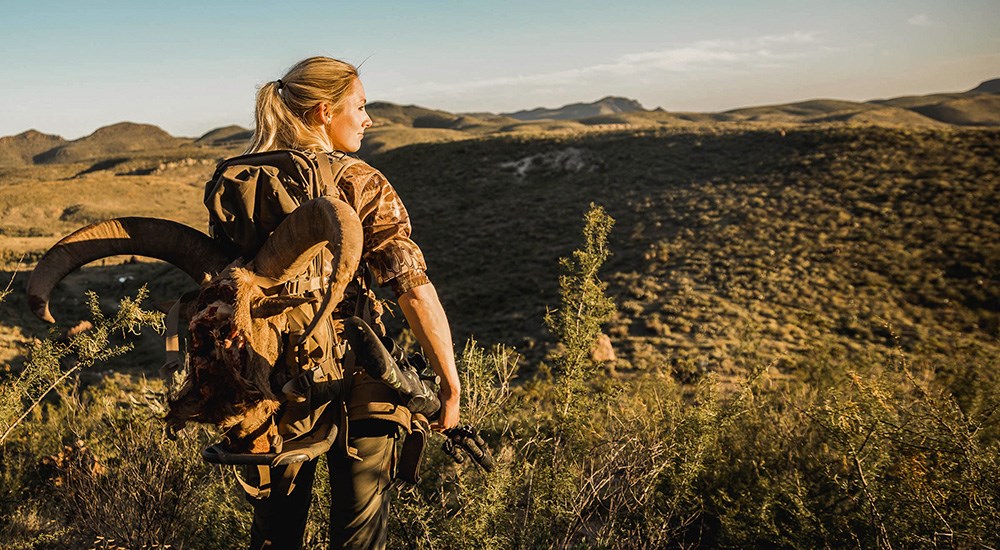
(359, 496)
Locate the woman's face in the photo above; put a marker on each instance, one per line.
(346, 126)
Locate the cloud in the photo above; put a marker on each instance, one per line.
(764, 52)
(920, 20)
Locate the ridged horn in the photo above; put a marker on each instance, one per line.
(312, 226)
(186, 248)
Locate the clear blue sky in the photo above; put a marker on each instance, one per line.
(71, 67)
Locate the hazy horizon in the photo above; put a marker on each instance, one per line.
(189, 67)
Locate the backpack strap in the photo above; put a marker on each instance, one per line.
(331, 168)
(265, 485)
(327, 177)
(361, 307)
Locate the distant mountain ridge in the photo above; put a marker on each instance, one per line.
(402, 125)
(575, 111)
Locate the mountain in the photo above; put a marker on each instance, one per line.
(403, 125)
(989, 86)
(576, 111)
(384, 113)
(225, 136)
(880, 116)
(20, 149)
(124, 137)
(831, 110)
(975, 110)
(802, 110)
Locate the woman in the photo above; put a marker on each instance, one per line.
(319, 105)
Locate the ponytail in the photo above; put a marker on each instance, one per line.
(283, 107)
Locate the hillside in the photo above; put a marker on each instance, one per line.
(575, 111)
(914, 111)
(880, 116)
(803, 240)
(384, 113)
(225, 136)
(978, 110)
(117, 139)
(988, 86)
(22, 148)
(803, 109)
(829, 239)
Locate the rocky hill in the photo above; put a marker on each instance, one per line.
(988, 86)
(225, 136)
(404, 115)
(114, 140)
(976, 110)
(22, 148)
(576, 111)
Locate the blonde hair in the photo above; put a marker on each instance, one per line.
(283, 106)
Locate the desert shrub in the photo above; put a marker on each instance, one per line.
(94, 466)
(45, 369)
(427, 516)
(105, 469)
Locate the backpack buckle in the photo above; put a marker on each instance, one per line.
(298, 287)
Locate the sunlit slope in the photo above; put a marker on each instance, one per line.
(800, 240)
(832, 238)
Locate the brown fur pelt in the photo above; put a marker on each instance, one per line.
(231, 356)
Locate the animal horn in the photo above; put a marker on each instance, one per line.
(188, 249)
(321, 222)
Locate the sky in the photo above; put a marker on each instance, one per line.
(68, 68)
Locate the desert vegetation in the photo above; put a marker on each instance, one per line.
(804, 315)
(887, 454)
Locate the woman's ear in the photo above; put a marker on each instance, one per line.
(321, 114)
(326, 112)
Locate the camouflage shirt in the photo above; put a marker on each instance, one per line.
(392, 258)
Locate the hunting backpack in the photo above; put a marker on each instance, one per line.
(249, 195)
(247, 198)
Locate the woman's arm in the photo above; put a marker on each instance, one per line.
(427, 319)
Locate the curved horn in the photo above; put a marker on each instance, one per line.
(313, 225)
(189, 249)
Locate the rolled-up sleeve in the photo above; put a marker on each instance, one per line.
(392, 257)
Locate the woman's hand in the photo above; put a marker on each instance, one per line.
(427, 319)
(449, 416)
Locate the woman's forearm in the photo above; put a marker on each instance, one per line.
(427, 319)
